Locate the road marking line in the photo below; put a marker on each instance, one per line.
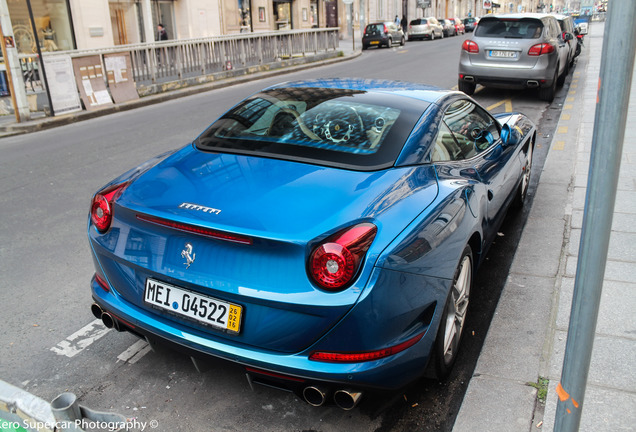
(81, 339)
(570, 99)
(135, 352)
(565, 117)
(562, 130)
(567, 107)
(559, 145)
(507, 102)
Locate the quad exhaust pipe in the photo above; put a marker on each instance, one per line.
(108, 320)
(315, 396)
(345, 399)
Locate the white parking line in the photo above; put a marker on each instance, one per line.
(135, 352)
(81, 339)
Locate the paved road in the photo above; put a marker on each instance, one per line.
(51, 343)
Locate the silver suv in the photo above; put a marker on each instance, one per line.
(515, 51)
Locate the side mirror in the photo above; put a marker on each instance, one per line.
(568, 36)
(510, 135)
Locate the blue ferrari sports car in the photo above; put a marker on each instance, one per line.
(322, 234)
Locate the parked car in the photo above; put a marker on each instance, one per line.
(470, 23)
(566, 23)
(448, 27)
(515, 51)
(322, 234)
(425, 28)
(459, 26)
(385, 33)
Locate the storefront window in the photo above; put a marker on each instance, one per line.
(52, 23)
(313, 13)
(282, 14)
(245, 17)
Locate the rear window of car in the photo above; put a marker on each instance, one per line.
(417, 22)
(375, 28)
(336, 127)
(524, 28)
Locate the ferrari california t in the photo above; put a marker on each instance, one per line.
(322, 234)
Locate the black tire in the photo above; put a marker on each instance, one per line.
(402, 41)
(522, 191)
(466, 87)
(547, 93)
(453, 317)
(364, 47)
(389, 44)
(432, 35)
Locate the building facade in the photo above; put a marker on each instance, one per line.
(89, 24)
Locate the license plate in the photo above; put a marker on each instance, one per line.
(375, 42)
(503, 54)
(204, 309)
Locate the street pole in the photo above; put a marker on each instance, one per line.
(617, 64)
(42, 70)
(12, 63)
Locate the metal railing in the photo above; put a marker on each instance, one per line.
(158, 62)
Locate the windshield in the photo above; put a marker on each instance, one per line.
(320, 125)
(525, 28)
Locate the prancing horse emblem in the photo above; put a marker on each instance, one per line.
(188, 255)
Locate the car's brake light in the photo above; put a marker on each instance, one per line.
(334, 263)
(219, 235)
(470, 46)
(102, 206)
(385, 30)
(540, 49)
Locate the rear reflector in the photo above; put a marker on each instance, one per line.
(357, 357)
(102, 283)
(219, 235)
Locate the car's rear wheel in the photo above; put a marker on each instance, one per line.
(402, 41)
(547, 93)
(522, 191)
(432, 35)
(454, 316)
(466, 87)
(389, 44)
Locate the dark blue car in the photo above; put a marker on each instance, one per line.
(323, 234)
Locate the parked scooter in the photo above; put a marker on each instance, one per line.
(579, 40)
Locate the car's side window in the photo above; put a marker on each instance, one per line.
(446, 148)
(473, 128)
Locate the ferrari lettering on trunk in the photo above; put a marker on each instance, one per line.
(197, 207)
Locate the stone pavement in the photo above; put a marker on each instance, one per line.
(527, 336)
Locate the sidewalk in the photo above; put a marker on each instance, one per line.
(526, 339)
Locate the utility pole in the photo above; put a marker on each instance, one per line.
(14, 70)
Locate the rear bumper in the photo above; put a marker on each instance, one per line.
(389, 373)
(510, 78)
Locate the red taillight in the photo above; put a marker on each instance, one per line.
(470, 46)
(340, 357)
(385, 30)
(102, 283)
(334, 263)
(540, 49)
(102, 206)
